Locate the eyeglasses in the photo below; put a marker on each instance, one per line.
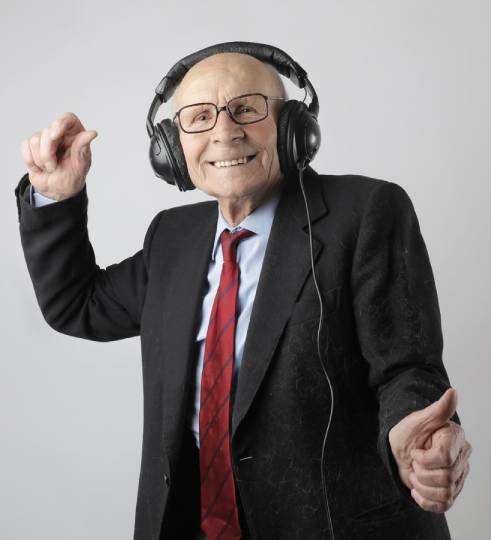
(245, 109)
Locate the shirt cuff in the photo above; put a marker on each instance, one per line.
(36, 199)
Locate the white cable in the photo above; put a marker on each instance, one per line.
(324, 369)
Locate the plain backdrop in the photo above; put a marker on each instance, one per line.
(404, 91)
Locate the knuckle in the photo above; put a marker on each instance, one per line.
(447, 494)
(455, 476)
(445, 506)
(427, 505)
(44, 143)
(446, 477)
(460, 479)
(438, 507)
(68, 115)
(445, 455)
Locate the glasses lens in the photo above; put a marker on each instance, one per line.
(248, 109)
(197, 117)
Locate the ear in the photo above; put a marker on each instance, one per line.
(282, 137)
(171, 162)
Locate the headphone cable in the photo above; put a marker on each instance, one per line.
(324, 369)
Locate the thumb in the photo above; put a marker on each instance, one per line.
(83, 140)
(442, 410)
(414, 429)
(438, 413)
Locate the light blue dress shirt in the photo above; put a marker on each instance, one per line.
(250, 256)
(37, 199)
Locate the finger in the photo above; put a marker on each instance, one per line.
(47, 150)
(461, 480)
(443, 477)
(65, 123)
(27, 157)
(437, 477)
(426, 504)
(444, 495)
(446, 445)
(34, 146)
(83, 140)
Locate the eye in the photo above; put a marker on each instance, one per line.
(244, 109)
(201, 117)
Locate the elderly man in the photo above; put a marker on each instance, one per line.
(236, 404)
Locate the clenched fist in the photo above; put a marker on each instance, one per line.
(58, 158)
(432, 453)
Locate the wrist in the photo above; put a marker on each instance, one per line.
(56, 195)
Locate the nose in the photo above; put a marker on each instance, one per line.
(226, 130)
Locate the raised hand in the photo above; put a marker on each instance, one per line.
(58, 157)
(432, 453)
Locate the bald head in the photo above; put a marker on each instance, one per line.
(223, 76)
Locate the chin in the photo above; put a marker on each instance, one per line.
(228, 186)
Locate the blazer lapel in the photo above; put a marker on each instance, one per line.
(285, 268)
(181, 318)
(287, 249)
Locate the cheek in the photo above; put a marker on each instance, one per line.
(192, 151)
(265, 138)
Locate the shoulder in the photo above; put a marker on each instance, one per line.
(359, 193)
(178, 222)
(193, 211)
(357, 189)
(180, 216)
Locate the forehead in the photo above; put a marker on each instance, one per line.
(223, 76)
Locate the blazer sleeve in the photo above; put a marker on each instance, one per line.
(397, 313)
(75, 295)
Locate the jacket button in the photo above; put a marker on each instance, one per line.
(167, 480)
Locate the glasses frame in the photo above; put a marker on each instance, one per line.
(226, 108)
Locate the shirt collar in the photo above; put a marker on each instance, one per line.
(258, 221)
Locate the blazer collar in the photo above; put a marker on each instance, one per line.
(258, 221)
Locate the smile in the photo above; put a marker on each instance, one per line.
(233, 162)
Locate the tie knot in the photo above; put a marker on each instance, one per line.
(230, 240)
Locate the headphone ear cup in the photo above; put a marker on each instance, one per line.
(167, 157)
(299, 136)
(284, 150)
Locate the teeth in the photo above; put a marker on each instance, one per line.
(239, 161)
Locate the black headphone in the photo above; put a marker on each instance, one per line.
(298, 130)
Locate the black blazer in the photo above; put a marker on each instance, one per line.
(382, 339)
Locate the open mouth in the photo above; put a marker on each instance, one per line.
(232, 163)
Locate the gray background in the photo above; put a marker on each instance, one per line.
(404, 92)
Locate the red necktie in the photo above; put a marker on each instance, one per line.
(219, 514)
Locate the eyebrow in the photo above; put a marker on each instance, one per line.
(207, 100)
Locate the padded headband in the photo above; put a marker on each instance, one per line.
(284, 64)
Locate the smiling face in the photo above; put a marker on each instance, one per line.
(215, 158)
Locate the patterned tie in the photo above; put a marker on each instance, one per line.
(219, 514)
